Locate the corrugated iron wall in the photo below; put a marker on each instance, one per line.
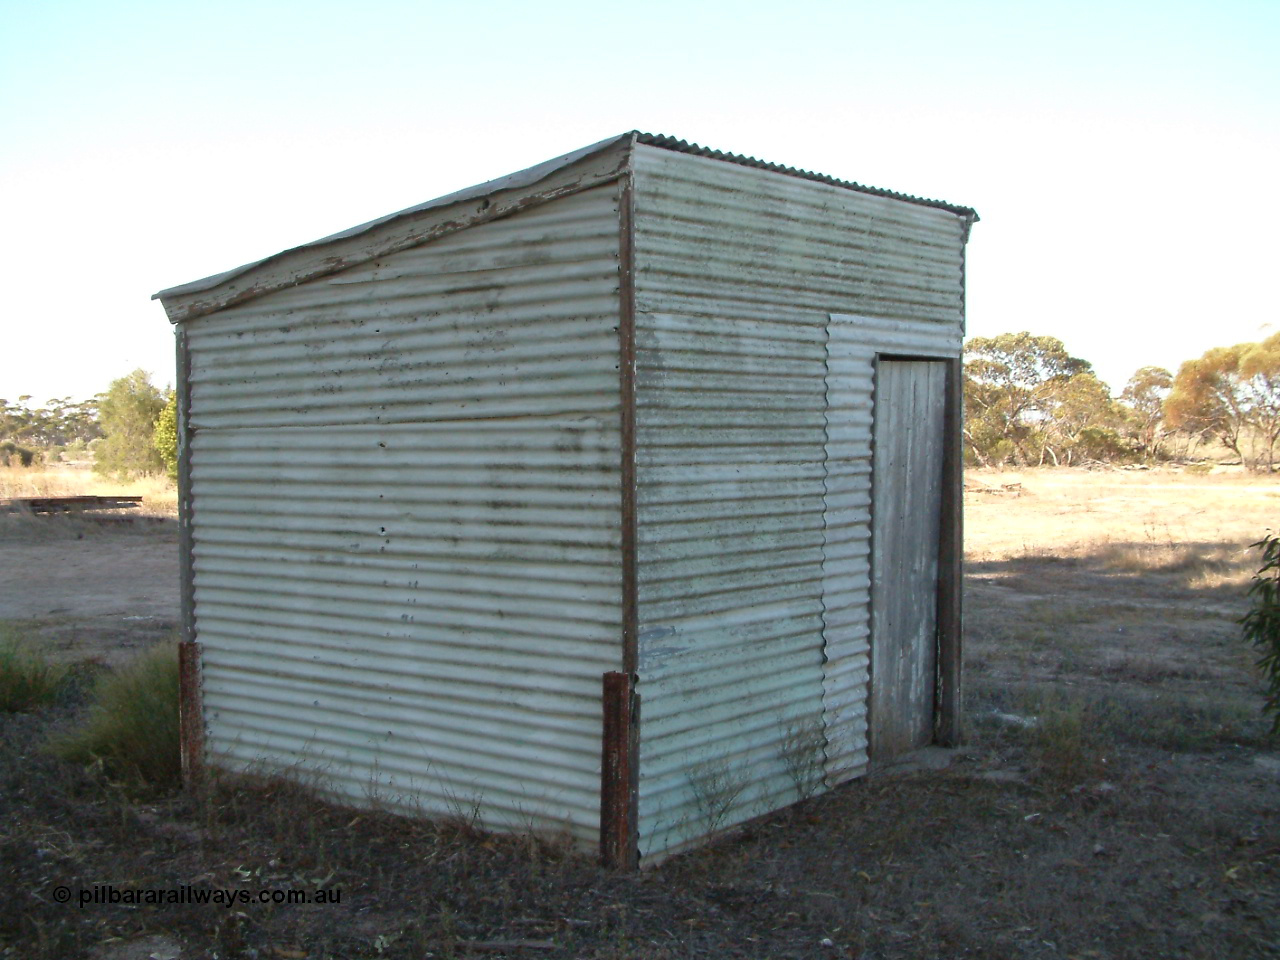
(406, 521)
(753, 466)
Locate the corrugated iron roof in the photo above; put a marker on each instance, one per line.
(521, 178)
(533, 175)
(684, 146)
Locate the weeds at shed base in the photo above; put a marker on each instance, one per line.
(132, 728)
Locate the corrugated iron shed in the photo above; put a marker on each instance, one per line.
(557, 495)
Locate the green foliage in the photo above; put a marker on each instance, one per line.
(1232, 394)
(15, 456)
(1262, 623)
(1144, 395)
(1084, 422)
(165, 438)
(58, 423)
(128, 412)
(132, 728)
(1028, 401)
(28, 679)
(1102, 443)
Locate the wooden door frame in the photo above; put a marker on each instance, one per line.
(948, 728)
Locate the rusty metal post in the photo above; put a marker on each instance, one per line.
(190, 700)
(619, 773)
(619, 765)
(190, 713)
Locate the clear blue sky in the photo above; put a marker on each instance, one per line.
(1123, 156)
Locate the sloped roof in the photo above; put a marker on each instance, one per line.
(520, 180)
(684, 146)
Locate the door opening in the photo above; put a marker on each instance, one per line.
(906, 484)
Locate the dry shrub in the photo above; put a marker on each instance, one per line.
(717, 786)
(803, 752)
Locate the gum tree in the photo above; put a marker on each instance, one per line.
(1144, 394)
(1014, 382)
(1232, 395)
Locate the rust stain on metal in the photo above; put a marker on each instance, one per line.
(619, 770)
(190, 712)
(948, 713)
(627, 378)
(186, 546)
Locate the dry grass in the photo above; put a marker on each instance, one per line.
(1102, 609)
(1149, 506)
(1116, 797)
(1159, 533)
(160, 497)
(28, 678)
(159, 501)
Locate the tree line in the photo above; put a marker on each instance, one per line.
(128, 430)
(1028, 401)
(27, 431)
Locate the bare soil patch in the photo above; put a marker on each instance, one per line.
(1119, 796)
(90, 589)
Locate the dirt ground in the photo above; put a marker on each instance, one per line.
(1118, 795)
(90, 591)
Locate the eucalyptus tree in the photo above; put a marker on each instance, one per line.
(1232, 395)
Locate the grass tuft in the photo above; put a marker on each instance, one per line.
(132, 727)
(28, 679)
(1067, 740)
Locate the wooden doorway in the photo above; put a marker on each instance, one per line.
(908, 440)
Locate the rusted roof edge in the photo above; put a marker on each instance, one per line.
(522, 178)
(684, 146)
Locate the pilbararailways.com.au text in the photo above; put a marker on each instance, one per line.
(182, 895)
